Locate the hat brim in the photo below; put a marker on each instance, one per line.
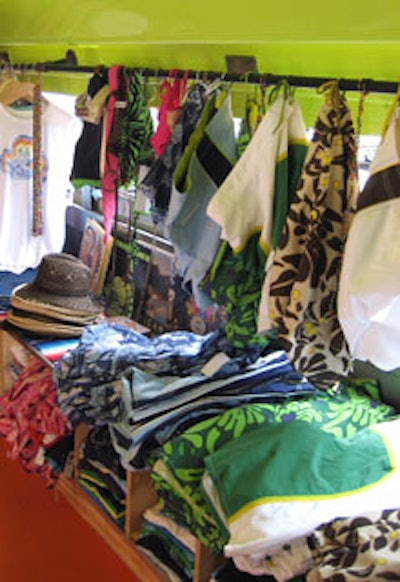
(78, 305)
(42, 325)
(81, 318)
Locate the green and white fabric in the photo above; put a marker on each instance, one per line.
(301, 286)
(180, 466)
(250, 206)
(256, 194)
(369, 291)
(281, 482)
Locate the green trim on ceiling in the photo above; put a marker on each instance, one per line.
(344, 39)
(338, 60)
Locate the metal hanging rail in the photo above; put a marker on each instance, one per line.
(369, 85)
(70, 65)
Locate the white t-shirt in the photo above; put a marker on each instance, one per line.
(19, 249)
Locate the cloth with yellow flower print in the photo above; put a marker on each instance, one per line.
(362, 548)
(305, 270)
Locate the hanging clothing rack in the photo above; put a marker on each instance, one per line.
(70, 65)
(266, 79)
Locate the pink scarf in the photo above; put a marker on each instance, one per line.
(111, 171)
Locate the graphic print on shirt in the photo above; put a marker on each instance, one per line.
(17, 161)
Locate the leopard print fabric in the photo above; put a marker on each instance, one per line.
(304, 274)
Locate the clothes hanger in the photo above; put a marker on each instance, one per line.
(283, 86)
(19, 93)
(212, 86)
(253, 106)
(360, 108)
(333, 95)
(394, 109)
(13, 90)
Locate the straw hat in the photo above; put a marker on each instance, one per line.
(47, 310)
(58, 301)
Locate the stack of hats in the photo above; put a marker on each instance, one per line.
(58, 301)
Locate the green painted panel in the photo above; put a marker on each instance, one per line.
(337, 40)
(209, 21)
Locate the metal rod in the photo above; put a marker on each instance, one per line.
(369, 85)
(365, 84)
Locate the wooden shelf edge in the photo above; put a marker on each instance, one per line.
(126, 550)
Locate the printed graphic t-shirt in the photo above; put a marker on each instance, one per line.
(19, 248)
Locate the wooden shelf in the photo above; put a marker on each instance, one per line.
(139, 497)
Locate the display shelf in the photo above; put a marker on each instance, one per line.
(140, 494)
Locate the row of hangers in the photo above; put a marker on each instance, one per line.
(19, 84)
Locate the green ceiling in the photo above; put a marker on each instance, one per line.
(341, 39)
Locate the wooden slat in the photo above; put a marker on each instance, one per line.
(205, 563)
(80, 435)
(140, 495)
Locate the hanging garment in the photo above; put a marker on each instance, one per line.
(109, 161)
(126, 134)
(369, 291)
(205, 164)
(135, 131)
(172, 91)
(234, 281)
(19, 248)
(89, 106)
(251, 206)
(86, 163)
(304, 275)
(257, 192)
(157, 183)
